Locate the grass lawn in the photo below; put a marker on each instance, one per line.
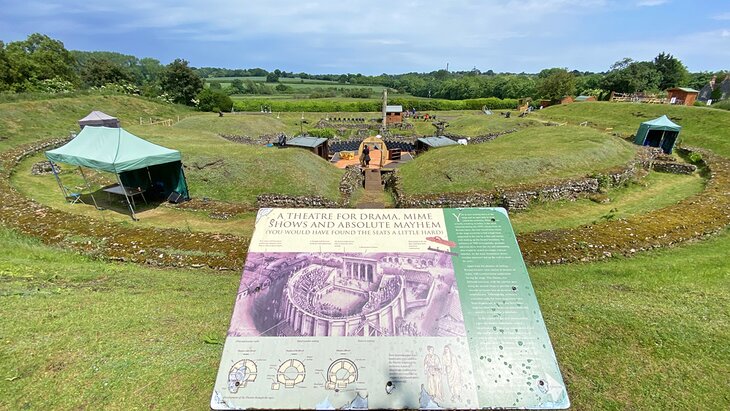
(649, 332)
(643, 333)
(646, 333)
(77, 333)
(655, 191)
(44, 189)
(701, 126)
(532, 155)
(27, 121)
(239, 172)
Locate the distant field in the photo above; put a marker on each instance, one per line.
(262, 79)
(532, 155)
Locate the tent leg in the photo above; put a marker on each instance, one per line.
(88, 186)
(58, 179)
(124, 190)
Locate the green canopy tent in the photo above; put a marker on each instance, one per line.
(136, 162)
(660, 132)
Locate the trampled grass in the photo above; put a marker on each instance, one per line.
(532, 155)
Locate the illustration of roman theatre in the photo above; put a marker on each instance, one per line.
(376, 294)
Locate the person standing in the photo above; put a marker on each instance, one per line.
(366, 155)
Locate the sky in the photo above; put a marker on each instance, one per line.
(373, 37)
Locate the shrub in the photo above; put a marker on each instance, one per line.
(214, 100)
(724, 105)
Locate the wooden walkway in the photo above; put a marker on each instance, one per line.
(374, 196)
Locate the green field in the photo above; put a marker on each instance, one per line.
(78, 333)
(529, 156)
(648, 332)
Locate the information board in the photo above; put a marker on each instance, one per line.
(386, 309)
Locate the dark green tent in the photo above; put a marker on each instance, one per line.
(660, 132)
(136, 162)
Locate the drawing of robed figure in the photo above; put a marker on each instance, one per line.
(432, 365)
(453, 373)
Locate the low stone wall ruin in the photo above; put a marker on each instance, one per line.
(673, 167)
(521, 196)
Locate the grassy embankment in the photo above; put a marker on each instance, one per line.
(532, 155)
(216, 168)
(701, 126)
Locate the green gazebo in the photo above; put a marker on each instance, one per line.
(660, 132)
(139, 166)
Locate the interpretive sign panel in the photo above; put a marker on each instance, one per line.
(386, 309)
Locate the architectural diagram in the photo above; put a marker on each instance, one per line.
(340, 373)
(331, 294)
(241, 373)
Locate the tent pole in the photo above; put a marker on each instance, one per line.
(124, 190)
(88, 186)
(58, 179)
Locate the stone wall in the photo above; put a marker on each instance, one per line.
(254, 141)
(519, 197)
(44, 167)
(350, 181)
(286, 201)
(673, 167)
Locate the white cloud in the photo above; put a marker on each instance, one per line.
(651, 3)
(722, 16)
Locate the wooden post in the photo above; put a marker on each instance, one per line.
(385, 107)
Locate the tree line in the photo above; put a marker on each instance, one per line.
(42, 64)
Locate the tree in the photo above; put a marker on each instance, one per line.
(628, 76)
(180, 82)
(150, 69)
(5, 78)
(555, 83)
(272, 77)
(38, 58)
(516, 87)
(98, 72)
(237, 86)
(214, 100)
(673, 72)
